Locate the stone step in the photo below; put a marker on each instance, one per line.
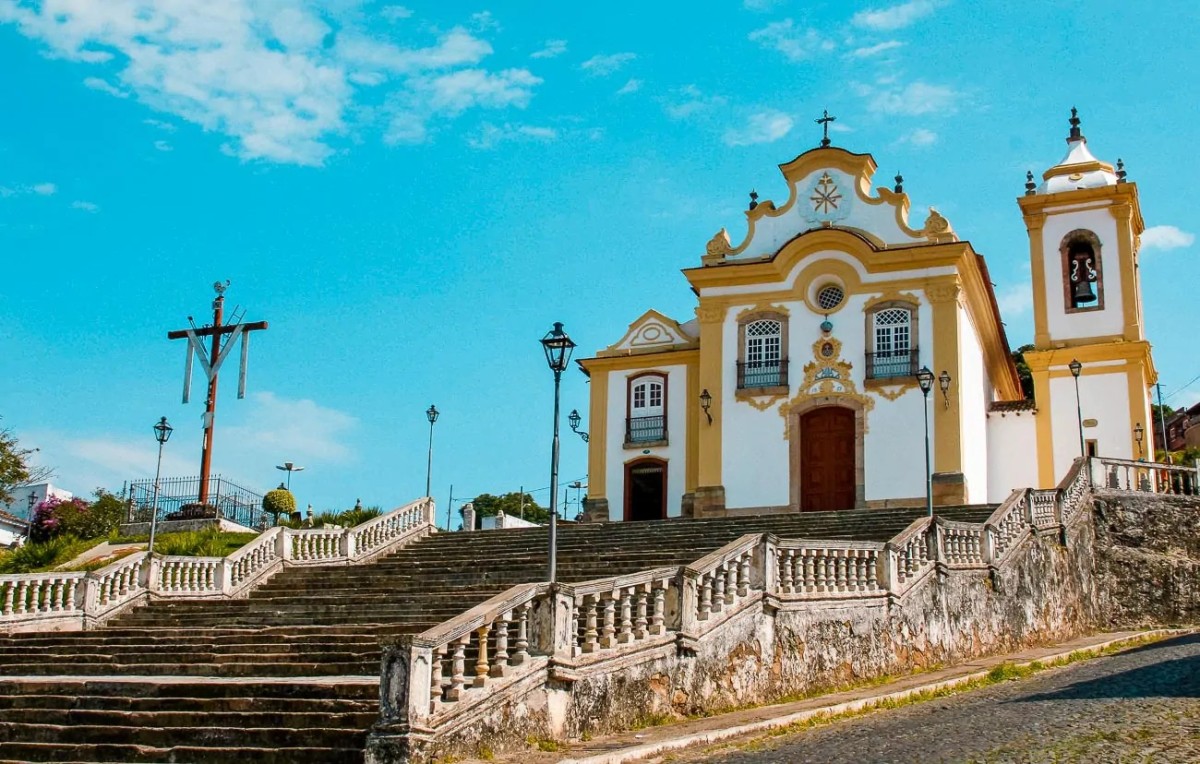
(300, 720)
(101, 667)
(354, 688)
(20, 752)
(12, 704)
(193, 735)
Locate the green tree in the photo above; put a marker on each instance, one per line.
(487, 505)
(16, 468)
(1023, 371)
(279, 501)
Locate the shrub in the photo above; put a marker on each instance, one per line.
(358, 516)
(44, 555)
(279, 502)
(56, 517)
(209, 542)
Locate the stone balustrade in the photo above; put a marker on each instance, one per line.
(1007, 525)
(78, 600)
(720, 582)
(612, 612)
(962, 544)
(908, 557)
(820, 569)
(1044, 508)
(1150, 477)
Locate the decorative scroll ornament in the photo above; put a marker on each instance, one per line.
(828, 378)
(718, 247)
(937, 228)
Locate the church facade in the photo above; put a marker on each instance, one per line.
(795, 386)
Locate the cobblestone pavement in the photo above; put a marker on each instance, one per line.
(1139, 706)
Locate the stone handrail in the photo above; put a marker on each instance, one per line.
(1007, 526)
(1149, 477)
(962, 545)
(907, 557)
(719, 584)
(1045, 509)
(608, 613)
(827, 569)
(77, 600)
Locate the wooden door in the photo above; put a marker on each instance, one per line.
(646, 490)
(827, 454)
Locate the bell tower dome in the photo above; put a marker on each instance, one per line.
(1084, 221)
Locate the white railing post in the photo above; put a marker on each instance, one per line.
(765, 570)
(689, 601)
(348, 544)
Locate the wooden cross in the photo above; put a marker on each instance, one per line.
(824, 123)
(210, 362)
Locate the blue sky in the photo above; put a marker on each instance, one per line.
(411, 195)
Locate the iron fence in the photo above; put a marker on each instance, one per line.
(901, 363)
(752, 374)
(178, 496)
(645, 429)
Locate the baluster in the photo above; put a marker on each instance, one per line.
(820, 570)
(657, 625)
(608, 631)
(435, 678)
(21, 588)
(842, 575)
(743, 582)
(784, 571)
(731, 574)
(705, 597)
(718, 595)
(500, 662)
(9, 591)
(639, 623)
(852, 571)
(576, 637)
(523, 635)
(590, 642)
(810, 570)
(458, 667)
(626, 634)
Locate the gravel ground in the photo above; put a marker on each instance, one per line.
(1139, 706)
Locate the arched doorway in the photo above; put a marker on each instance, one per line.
(827, 459)
(646, 490)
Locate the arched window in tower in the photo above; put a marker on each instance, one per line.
(1083, 280)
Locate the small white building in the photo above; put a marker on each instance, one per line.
(26, 497)
(11, 529)
(794, 388)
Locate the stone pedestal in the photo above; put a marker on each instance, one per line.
(709, 501)
(596, 510)
(949, 489)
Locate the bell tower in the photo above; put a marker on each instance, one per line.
(1084, 221)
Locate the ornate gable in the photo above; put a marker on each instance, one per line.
(652, 333)
(828, 188)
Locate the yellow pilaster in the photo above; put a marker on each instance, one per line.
(1123, 213)
(712, 318)
(947, 411)
(598, 435)
(1034, 223)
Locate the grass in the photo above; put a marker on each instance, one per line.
(209, 542)
(38, 558)
(57, 552)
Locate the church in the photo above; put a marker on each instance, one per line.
(822, 339)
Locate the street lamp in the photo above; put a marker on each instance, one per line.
(1075, 366)
(558, 347)
(925, 380)
(432, 415)
(574, 419)
(29, 516)
(289, 468)
(162, 433)
(1139, 433)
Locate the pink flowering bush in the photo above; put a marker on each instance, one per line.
(76, 517)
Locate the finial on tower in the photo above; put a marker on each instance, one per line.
(1076, 134)
(824, 123)
(1030, 186)
(1120, 171)
(753, 198)
(899, 187)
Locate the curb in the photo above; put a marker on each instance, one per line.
(645, 750)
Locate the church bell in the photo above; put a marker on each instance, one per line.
(1084, 292)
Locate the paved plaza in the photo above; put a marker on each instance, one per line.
(1142, 706)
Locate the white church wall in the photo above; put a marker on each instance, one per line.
(975, 397)
(1091, 323)
(894, 452)
(1104, 398)
(1011, 453)
(674, 453)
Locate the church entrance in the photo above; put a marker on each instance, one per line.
(827, 459)
(646, 490)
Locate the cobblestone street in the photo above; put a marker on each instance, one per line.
(1140, 706)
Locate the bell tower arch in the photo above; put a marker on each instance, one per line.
(1084, 221)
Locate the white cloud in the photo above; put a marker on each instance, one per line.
(920, 137)
(300, 428)
(606, 64)
(37, 189)
(691, 101)
(551, 49)
(164, 126)
(759, 6)
(886, 97)
(95, 83)
(163, 146)
(44, 189)
(484, 21)
(632, 86)
(794, 43)
(875, 50)
(395, 13)
(1016, 300)
(490, 136)
(85, 206)
(1166, 237)
(895, 16)
(6, 192)
(451, 94)
(279, 79)
(763, 127)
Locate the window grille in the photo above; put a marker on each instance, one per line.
(830, 297)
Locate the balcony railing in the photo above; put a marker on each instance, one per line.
(752, 374)
(895, 364)
(645, 429)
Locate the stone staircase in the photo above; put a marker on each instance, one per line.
(292, 671)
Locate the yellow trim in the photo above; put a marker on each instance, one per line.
(1035, 224)
(651, 316)
(1139, 407)
(947, 419)
(891, 294)
(598, 436)
(711, 362)
(646, 361)
(1044, 423)
(1123, 213)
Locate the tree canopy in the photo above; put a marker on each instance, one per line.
(487, 505)
(1023, 370)
(16, 468)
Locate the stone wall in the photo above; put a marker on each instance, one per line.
(1148, 557)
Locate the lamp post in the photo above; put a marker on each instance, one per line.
(1076, 367)
(162, 433)
(925, 380)
(432, 415)
(574, 419)
(1139, 433)
(289, 468)
(29, 515)
(558, 347)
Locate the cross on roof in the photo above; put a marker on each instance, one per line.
(824, 123)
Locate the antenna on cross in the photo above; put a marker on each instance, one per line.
(824, 123)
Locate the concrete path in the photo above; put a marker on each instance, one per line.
(103, 550)
(693, 740)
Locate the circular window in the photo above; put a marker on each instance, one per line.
(829, 297)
